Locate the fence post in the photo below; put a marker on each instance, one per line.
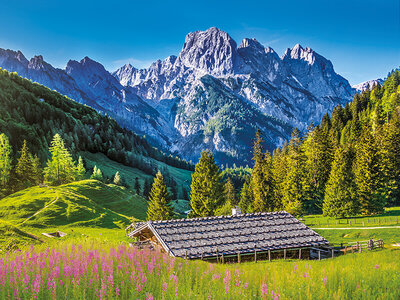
(319, 254)
(222, 258)
(238, 257)
(269, 255)
(284, 253)
(358, 246)
(255, 255)
(300, 253)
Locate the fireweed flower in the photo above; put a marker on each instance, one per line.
(264, 290)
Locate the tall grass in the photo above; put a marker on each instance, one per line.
(92, 271)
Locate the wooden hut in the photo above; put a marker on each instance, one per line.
(235, 238)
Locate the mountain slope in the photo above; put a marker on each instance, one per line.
(160, 101)
(32, 112)
(367, 85)
(296, 89)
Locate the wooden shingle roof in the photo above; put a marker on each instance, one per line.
(244, 233)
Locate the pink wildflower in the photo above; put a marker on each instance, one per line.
(325, 280)
(149, 296)
(305, 275)
(164, 287)
(264, 290)
(376, 266)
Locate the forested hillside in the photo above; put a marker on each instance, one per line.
(349, 164)
(34, 113)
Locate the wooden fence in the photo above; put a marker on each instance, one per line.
(357, 222)
(362, 245)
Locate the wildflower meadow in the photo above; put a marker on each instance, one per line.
(111, 271)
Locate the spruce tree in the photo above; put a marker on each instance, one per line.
(24, 168)
(262, 182)
(117, 179)
(97, 174)
(80, 169)
(369, 177)
(160, 207)
(292, 189)
(60, 167)
(341, 190)
(206, 193)
(246, 198)
(5, 161)
(37, 170)
(230, 193)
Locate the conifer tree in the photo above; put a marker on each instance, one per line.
(37, 170)
(292, 189)
(230, 193)
(24, 168)
(318, 159)
(5, 161)
(80, 169)
(206, 193)
(60, 168)
(369, 177)
(390, 148)
(137, 186)
(97, 174)
(262, 182)
(160, 207)
(117, 179)
(246, 198)
(341, 190)
(147, 188)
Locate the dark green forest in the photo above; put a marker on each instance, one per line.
(32, 112)
(348, 165)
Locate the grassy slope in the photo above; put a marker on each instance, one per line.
(81, 209)
(109, 167)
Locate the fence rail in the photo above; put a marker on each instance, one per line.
(362, 245)
(367, 222)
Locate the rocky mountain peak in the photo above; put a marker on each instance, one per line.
(37, 62)
(212, 51)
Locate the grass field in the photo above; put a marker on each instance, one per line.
(110, 167)
(87, 270)
(391, 217)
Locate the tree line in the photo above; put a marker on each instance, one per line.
(347, 165)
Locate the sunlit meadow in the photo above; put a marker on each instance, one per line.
(100, 271)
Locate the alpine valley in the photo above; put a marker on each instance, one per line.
(213, 95)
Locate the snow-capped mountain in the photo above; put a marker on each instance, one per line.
(213, 95)
(367, 85)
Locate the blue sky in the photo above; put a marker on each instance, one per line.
(361, 38)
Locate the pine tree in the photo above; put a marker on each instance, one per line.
(206, 193)
(24, 168)
(262, 182)
(37, 170)
(369, 177)
(390, 148)
(230, 193)
(137, 186)
(97, 174)
(5, 161)
(80, 170)
(147, 188)
(246, 198)
(318, 159)
(160, 207)
(292, 189)
(60, 168)
(117, 179)
(341, 190)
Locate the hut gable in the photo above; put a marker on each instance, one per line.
(241, 233)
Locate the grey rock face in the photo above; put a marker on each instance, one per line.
(213, 95)
(367, 85)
